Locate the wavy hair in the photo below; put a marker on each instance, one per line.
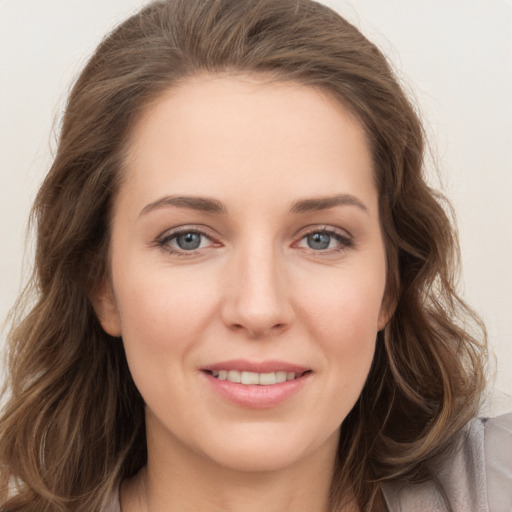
(72, 426)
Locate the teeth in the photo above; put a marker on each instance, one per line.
(234, 376)
(281, 377)
(253, 378)
(267, 379)
(250, 378)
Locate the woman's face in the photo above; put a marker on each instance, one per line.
(246, 246)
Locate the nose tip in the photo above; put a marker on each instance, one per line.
(257, 327)
(257, 302)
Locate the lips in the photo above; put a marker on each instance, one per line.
(255, 366)
(256, 384)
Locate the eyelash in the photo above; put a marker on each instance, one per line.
(345, 241)
(164, 240)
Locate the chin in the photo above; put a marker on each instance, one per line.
(262, 461)
(268, 452)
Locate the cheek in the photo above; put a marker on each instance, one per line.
(164, 320)
(343, 316)
(164, 316)
(341, 321)
(349, 341)
(346, 303)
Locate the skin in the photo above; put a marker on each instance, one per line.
(255, 289)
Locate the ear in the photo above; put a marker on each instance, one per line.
(387, 310)
(105, 306)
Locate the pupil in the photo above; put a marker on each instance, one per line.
(189, 241)
(319, 241)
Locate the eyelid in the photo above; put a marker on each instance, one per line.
(323, 228)
(163, 239)
(345, 239)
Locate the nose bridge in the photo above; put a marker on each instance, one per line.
(258, 302)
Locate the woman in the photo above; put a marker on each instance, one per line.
(244, 285)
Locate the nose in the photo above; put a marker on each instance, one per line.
(257, 301)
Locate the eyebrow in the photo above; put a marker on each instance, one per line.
(324, 203)
(208, 205)
(202, 204)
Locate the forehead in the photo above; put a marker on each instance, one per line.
(213, 131)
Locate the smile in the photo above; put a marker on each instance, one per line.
(256, 385)
(254, 378)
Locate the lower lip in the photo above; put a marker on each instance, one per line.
(257, 396)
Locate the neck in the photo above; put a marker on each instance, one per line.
(236, 493)
(179, 481)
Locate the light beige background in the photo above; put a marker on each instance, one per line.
(454, 57)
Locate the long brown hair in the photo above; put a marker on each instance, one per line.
(73, 424)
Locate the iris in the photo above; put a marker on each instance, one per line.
(189, 241)
(319, 241)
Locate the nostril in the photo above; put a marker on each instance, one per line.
(257, 331)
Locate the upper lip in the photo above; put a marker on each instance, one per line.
(242, 365)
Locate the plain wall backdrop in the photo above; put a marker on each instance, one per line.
(453, 56)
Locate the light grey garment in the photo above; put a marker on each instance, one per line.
(114, 504)
(478, 478)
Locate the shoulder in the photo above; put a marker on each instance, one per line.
(498, 462)
(114, 504)
(477, 476)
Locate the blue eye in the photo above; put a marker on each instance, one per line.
(318, 241)
(183, 241)
(325, 240)
(188, 241)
